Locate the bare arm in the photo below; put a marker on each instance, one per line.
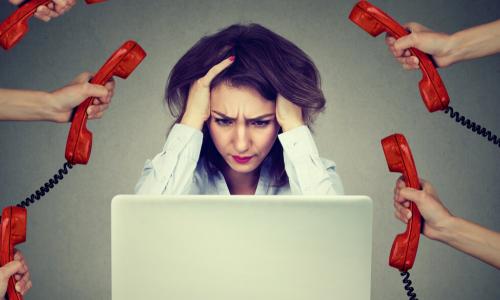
(472, 239)
(23, 105)
(475, 42)
(446, 49)
(56, 106)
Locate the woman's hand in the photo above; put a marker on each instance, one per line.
(435, 214)
(19, 269)
(198, 102)
(288, 114)
(422, 38)
(63, 100)
(53, 9)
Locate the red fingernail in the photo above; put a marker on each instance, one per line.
(231, 58)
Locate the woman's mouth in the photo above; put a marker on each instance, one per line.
(242, 159)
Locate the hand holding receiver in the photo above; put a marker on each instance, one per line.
(375, 21)
(121, 64)
(61, 102)
(13, 232)
(437, 218)
(437, 45)
(15, 26)
(399, 159)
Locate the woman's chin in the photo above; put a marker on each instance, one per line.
(243, 168)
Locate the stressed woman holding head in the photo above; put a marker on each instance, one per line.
(244, 99)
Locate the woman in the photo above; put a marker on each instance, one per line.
(235, 94)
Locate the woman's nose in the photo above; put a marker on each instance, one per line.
(241, 139)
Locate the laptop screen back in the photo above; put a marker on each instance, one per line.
(241, 247)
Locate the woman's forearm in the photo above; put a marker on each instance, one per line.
(475, 42)
(472, 239)
(24, 105)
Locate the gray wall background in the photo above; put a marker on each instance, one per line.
(370, 97)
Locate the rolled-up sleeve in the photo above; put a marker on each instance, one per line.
(171, 171)
(308, 173)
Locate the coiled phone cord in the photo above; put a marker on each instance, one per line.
(409, 289)
(45, 188)
(478, 129)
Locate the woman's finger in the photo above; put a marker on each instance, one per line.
(97, 116)
(410, 61)
(399, 217)
(215, 70)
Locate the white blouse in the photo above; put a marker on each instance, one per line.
(177, 169)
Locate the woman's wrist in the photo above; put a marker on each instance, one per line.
(53, 110)
(446, 230)
(455, 49)
(42, 107)
(291, 121)
(192, 121)
(287, 126)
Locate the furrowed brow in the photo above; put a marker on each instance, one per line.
(223, 115)
(260, 117)
(246, 119)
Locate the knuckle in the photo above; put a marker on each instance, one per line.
(204, 82)
(86, 87)
(414, 37)
(86, 74)
(198, 82)
(411, 25)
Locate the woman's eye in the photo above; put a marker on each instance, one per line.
(223, 122)
(260, 123)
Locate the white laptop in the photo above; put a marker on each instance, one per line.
(241, 247)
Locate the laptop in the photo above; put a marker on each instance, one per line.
(241, 247)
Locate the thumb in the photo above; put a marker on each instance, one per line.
(94, 90)
(82, 77)
(412, 194)
(10, 269)
(411, 39)
(407, 41)
(415, 27)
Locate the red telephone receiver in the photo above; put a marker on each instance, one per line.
(375, 21)
(399, 159)
(121, 64)
(13, 232)
(15, 26)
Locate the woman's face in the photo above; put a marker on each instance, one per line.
(242, 125)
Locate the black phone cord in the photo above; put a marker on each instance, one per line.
(410, 291)
(473, 126)
(45, 188)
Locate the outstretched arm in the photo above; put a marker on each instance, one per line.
(446, 49)
(56, 106)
